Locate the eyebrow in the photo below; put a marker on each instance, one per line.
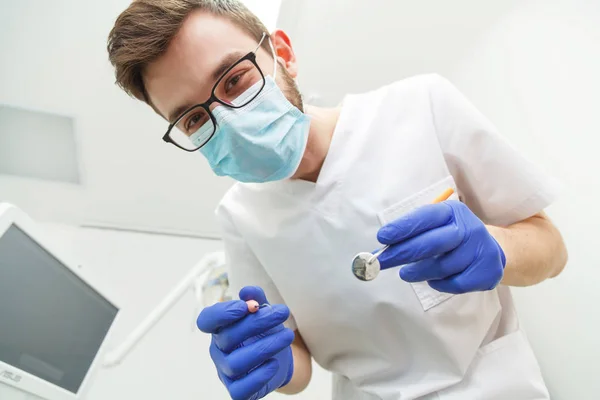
(226, 63)
(223, 66)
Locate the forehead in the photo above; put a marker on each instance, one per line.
(183, 73)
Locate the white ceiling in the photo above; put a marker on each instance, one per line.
(54, 59)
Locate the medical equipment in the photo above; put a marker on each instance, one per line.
(192, 281)
(215, 287)
(366, 267)
(54, 323)
(253, 306)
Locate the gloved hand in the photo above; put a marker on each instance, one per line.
(252, 352)
(446, 245)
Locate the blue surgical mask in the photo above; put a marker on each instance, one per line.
(261, 142)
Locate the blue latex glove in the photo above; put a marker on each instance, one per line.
(252, 352)
(446, 245)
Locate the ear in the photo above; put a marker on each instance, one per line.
(284, 51)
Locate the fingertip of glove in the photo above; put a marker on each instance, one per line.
(253, 293)
(385, 235)
(406, 274)
(248, 291)
(219, 314)
(288, 335)
(237, 308)
(282, 310)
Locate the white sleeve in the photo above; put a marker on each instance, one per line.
(497, 183)
(243, 268)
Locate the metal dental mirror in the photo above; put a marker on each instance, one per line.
(366, 267)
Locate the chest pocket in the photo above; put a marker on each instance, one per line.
(428, 297)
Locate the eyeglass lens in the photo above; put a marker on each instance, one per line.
(238, 87)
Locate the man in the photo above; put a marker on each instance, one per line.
(319, 186)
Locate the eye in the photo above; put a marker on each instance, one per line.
(193, 122)
(234, 80)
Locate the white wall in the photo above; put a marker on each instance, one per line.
(172, 362)
(532, 67)
(535, 73)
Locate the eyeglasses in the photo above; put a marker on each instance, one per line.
(236, 88)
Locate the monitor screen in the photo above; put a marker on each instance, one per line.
(52, 323)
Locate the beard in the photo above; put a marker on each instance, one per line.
(290, 88)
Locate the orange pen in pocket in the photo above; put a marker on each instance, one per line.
(444, 196)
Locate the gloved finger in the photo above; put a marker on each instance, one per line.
(249, 386)
(428, 244)
(438, 267)
(245, 358)
(254, 324)
(253, 293)
(454, 285)
(421, 220)
(220, 315)
(218, 357)
(469, 280)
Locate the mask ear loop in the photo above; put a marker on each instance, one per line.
(274, 59)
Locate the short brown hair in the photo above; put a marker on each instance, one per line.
(143, 32)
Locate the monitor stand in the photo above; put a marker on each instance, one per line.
(8, 392)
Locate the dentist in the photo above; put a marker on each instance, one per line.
(317, 186)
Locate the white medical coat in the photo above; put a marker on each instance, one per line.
(393, 149)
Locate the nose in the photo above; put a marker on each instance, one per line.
(216, 104)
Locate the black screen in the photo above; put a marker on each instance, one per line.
(51, 322)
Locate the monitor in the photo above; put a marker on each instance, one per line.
(54, 323)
